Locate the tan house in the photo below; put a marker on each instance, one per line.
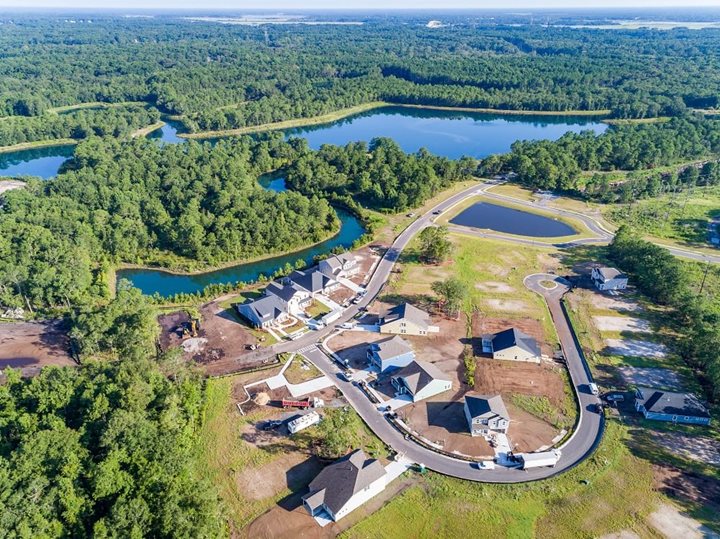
(511, 344)
(405, 319)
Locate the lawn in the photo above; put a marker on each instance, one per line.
(317, 310)
(493, 271)
(617, 497)
(301, 371)
(683, 217)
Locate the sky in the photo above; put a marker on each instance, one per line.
(352, 4)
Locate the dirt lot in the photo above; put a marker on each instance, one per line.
(518, 377)
(621, 323)
(527, 432)
(601, 301)
(672, 523)
(220, 344)
(441, 419)
(697, 448)
(29, 346)
(676, 483)
(634, 348)
(352, 345)
(482, 325)
(366, 258)
(652, 377)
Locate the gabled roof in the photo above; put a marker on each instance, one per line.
(286, 292)
(337, 262)
(667, 402)
(407, 312)
(337, 483)
(486, 406)
(419, 374)
(608, 274)
(513, 337)
(266, 308)
(313, 281)
(391, 347)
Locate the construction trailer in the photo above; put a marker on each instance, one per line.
(539, 460)
(303, 422)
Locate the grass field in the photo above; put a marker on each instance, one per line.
(617, 497)
(683, 217)
(477, 261)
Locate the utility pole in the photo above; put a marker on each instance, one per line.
(702, 285)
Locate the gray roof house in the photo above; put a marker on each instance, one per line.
(263, 312)
(609, 278)
(390, 353)
(406, 319)
(669, 406)
(486, 414)
(294, 298)
(511, 344)
(314, 281)
(421, 380)
(345, 485)
(339, 266)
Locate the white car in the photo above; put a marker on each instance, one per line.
(593, 388)
(347, 325)
(486, 465)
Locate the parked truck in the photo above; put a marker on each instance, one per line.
(303, 422)
(539, 460)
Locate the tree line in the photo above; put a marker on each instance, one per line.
(181, 206)
(577, 161)
(668, 281)
(81, 124)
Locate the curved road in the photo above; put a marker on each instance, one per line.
(590, 425)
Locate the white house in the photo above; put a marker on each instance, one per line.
(406, 319)
(486, 414)
(263, 312)
(339, 266)
(511, 344)
(421, 380)
(609, 279)
(315, 282)
(345, 485)
(390, 353)
(293, 298)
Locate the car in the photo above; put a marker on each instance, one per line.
(597, 408)
(614, 397)
(347, 325)
(485, 465)
(593, 388)
(437, 212)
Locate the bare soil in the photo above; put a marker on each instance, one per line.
(697, 448)
(289, 471)
(621, 323)
(698, 489)
(441, 419)
(225, 338)
(634, 348)
(652, 377)
(671, 522)
(30, 346)
(507, 305)
(352, 345)
(518, 377)
(527, 432)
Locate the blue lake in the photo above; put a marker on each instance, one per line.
(511, 221)
(450, 134)
(151, 281)
(446, 133)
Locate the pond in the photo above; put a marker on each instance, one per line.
(511, 221)
(168, 133)
(447, 133)
(274, 181)
(42, 162)
(151, 281)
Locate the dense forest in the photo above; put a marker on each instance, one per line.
(219, 76)
(105, 449)
(81, 124)
(184, 206)
(667, 280)
(380, 176)
(564, 164)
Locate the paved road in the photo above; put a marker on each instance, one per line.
(585, 438)
(602, 235)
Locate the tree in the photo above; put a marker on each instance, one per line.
(452, 292)
(435, 246)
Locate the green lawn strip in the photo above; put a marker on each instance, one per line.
(301, 371)
(39, 144)
(618, 496)
(317, 310)
(541, 407)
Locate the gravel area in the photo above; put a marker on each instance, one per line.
(634, 347)
(621, 323)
